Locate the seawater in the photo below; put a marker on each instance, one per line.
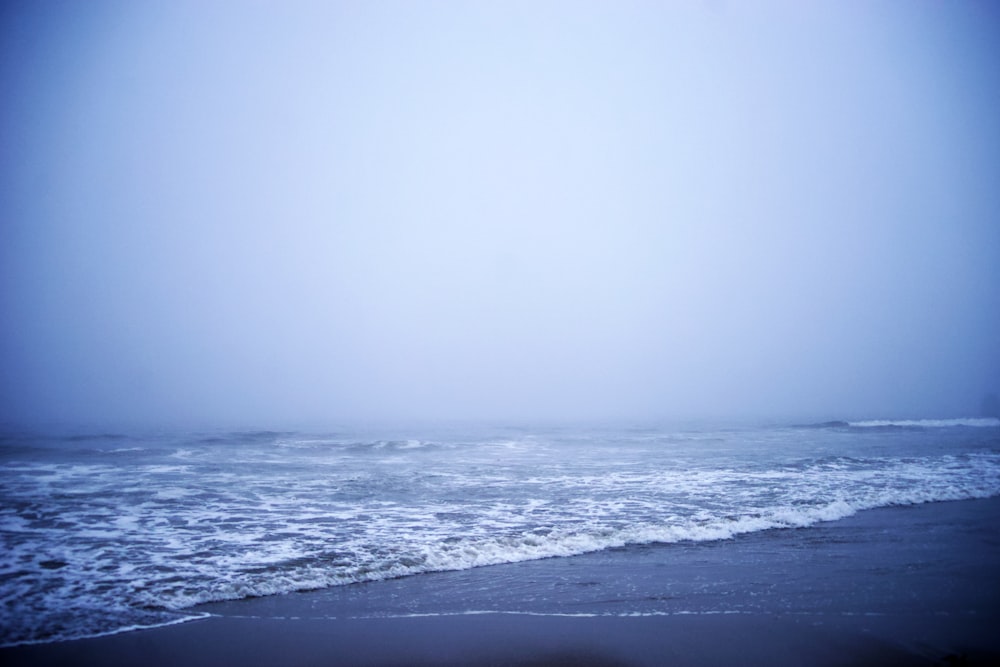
(106, 532)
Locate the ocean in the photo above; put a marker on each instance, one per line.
(108, 532)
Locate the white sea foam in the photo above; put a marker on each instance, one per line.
(429, 557)
(173, 620)
(979, 422)
(106, 544)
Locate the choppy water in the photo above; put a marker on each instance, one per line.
(101, 533)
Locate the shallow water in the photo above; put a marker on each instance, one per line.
(104, 532)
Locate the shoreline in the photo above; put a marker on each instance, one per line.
(885, 597)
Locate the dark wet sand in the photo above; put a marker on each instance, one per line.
(961, 628)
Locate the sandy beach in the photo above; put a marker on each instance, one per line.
(499, 639)
(915, 585)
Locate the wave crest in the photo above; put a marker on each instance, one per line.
(976, 422)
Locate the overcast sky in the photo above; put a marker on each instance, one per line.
(280, 212)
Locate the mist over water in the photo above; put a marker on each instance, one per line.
(254, 214)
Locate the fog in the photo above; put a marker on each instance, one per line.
(321, 212)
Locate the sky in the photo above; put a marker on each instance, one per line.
(287, 212)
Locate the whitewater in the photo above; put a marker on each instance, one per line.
(105, 532)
